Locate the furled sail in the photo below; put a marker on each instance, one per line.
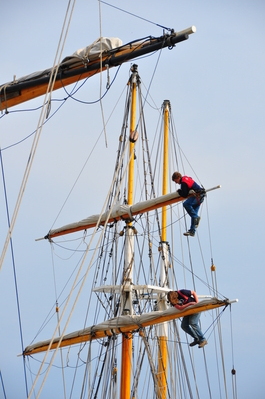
(123, 324)
(119, 212)
(102, 54)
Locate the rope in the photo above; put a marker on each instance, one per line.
(113, 195)
(43, 115)
(233, 371)
(134, 15)
(152, 366)
(66, 305)
(14, 268)
(100, 91)
(2, 383)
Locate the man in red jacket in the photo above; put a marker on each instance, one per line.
(181, 299)
(193, 203)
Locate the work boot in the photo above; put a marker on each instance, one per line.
(189, 233)
(203, 343)
(195, 342)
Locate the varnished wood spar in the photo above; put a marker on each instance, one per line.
(134, 210)
(17, 92)
(92, 333)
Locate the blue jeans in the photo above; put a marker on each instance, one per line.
(190, 324)
(192, 206)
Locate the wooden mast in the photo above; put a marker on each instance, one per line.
(163, 328)
(126, 364)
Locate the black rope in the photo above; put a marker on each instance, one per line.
(216, 319)
(31, 134)
(69, 95)
(14, 269)
(233, 371)
(136, 16)
(2, 383)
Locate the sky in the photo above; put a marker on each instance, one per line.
(215, 82)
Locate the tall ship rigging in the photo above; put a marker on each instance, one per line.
(129, 256)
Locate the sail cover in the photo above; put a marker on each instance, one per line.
(123, 324)
(119, 212)
(84, 63)
(94, 50)
(81, 56)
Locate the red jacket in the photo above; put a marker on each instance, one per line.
(187, 184)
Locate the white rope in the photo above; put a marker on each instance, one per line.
(100, 90)
(87, 159)
(44, 111)
(73, 288)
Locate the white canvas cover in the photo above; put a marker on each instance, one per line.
(97, 48)
(118, 212)
(126, 323)
(80, 56)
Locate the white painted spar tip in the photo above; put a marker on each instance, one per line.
(187, 31)
(213, 188)
(232, 301)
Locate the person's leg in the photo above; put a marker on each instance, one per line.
(185, 325)
(192, 207)
(195, 221)
(194, 325)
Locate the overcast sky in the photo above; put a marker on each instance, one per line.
(215, 82)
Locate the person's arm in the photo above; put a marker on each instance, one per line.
(183, 190)
(181, 307)
(195, 296)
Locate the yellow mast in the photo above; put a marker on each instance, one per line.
(166, 108)
(126, 358)
(163, 328)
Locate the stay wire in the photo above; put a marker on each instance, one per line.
(43, 116)
(136, 16)
(69, 95)
(65, 307)
(151, 81)
(233, 371)
(2, 383)
(83, 167)
(100, 89)
(216, 322)
(14, 269)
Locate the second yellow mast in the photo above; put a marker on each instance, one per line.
(163, 328)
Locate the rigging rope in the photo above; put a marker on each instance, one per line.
(233, 371)
(66, 304)
(14, 269)
(2, 383)
(113, 196)
(134, 15)
(42, 117)
(100, 91)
